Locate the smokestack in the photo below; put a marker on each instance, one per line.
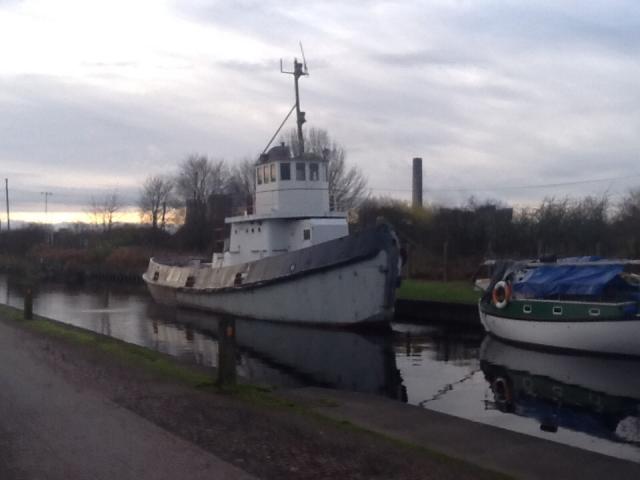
(417, 182)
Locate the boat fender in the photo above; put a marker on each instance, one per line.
(501, 294)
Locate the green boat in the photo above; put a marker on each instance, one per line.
(582, 304)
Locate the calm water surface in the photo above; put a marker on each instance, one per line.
(589, 402)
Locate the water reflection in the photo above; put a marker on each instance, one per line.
(595, 395)
(437, 365)
(593, 402)
(271, 353)
(332, 358)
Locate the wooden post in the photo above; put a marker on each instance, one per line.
(226, 352)
(445, 261)
(28, 304)
(6, 193)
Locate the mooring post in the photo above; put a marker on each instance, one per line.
(226, 352)
(445, 261)
(28, 304)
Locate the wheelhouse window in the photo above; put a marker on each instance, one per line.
(273, 172)
(314, 172)
(285, 171)
(325, 173)
(266, 173)
(300, 171)
(259, 175)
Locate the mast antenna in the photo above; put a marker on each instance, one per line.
(299, 70)
(304, 60)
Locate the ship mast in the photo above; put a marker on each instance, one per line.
(299, 70)
(297, 73)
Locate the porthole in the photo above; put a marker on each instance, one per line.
(292, 267)
(526, 308)
(594, 312)
(557, 310)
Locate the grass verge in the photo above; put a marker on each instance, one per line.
(447, 292)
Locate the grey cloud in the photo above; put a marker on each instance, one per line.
(427, 58)
(110, 64)
(265, 20)
(55, 129)
(494, 94)
(554, 24)
(30, 198)
(250, 67)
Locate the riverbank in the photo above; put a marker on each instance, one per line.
(255, 429)
(304, 433)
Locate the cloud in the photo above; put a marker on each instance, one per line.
(490, 94)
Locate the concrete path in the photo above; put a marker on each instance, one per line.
(52, 430)
(521, 456)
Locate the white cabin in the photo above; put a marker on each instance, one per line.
(292, 209)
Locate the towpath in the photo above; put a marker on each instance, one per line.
(52, 429)
(518, 455)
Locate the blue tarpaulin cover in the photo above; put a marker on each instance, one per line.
(550, 280)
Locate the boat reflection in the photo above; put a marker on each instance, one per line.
(331, 358)
(599, 396)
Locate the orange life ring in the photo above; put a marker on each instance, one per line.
(501, 294)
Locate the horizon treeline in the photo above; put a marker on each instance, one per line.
(441, 242)
(444, 242)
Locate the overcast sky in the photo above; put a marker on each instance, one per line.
(96, 96)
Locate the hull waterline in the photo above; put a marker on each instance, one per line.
(616, 337)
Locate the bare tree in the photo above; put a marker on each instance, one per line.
(103, 210)
(347, 184)
(198, 177)
(242, 184)
(627, 223)
(155, 199)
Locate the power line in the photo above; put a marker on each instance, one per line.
(519, 187)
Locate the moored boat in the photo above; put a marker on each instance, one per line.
(293, 259)
(581, 304)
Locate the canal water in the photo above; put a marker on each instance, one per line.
(584, 401)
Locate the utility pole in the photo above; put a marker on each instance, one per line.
(6, 196)
(46, 202)
(417, 183)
